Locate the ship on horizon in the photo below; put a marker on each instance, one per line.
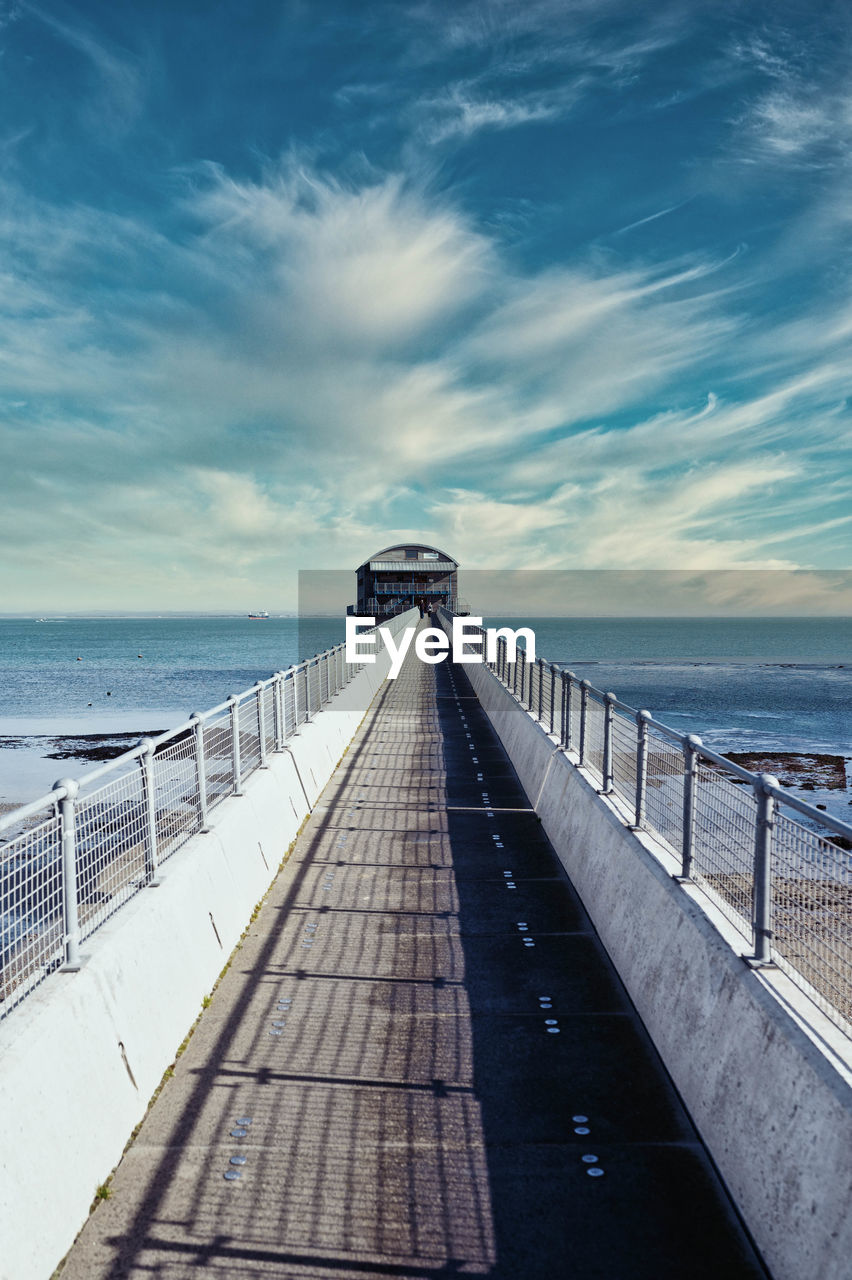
(259, 615)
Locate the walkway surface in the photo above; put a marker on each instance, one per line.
(421, 1062)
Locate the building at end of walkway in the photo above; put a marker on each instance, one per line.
(405, 575)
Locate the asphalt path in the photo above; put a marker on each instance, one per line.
(421, 1062)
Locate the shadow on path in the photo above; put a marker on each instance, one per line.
(421, 1056)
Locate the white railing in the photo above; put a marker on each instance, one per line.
(72, 858)
(778, 868)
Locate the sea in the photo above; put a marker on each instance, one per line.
(743, 684)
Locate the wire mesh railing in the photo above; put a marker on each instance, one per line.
(71, 859)
(779, 869)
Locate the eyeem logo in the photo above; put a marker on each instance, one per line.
(433, 645)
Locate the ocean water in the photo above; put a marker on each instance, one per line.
(742, 684)
(92, 671)
(127, 676)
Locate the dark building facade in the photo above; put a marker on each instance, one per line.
(407, 574)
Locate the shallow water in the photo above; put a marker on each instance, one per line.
(78, 676)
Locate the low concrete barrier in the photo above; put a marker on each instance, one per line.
(764, 1076)
(83, 1055)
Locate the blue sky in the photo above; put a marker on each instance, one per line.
(552, 285)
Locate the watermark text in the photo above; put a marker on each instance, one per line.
(433, 645)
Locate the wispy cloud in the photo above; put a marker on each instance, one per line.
(119, 80)
(652, 217)
(333, 357)
(802, 116)
(798, 126)
(462, 112)
(534, 62)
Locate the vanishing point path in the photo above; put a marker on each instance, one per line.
(420, 1062)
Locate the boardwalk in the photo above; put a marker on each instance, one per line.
(420, 1054)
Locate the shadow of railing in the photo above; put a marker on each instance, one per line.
(450, 1019)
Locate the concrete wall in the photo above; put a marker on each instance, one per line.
(761, 1072)
(83, 1055)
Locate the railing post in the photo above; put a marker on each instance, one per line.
(552, 696)
(609, 715)
(569, 681)
(540, 665)
(762, 900)
(146, 765)
(200, 769)
(642, 718)
(234, 704)
(585, 686)
(261, 723)
(70, 890)
(309, 708)
(573, 685)
(277, 709)
(691, 743)
(296, 699)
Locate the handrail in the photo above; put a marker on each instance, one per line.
(103, 836)
(772, 876)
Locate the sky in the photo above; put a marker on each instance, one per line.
(560, 284)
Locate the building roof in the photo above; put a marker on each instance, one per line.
(396, 551)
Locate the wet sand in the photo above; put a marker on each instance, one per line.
(31, 763)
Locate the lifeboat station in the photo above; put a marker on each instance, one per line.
(405, 576)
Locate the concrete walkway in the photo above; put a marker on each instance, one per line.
(420, 1057)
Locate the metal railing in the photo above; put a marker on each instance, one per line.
(440, 587)
(71, 859)
(779, 869)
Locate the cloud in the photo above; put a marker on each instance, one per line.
(797, 126)
(373, 266)
(307, 368)
(803, 116)
(119, 81)
(460, 113)
(629, 520)
(583, 343)
(532, 63)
